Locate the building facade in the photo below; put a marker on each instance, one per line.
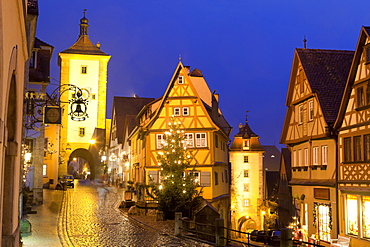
(314, 94)
(247, 181)
(353, 127)
(187, 100)
(83, 65)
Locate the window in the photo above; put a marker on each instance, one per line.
(352, 215)
(44, 170)
(246, 202)
(216, 178)
(185, 111)
(246, 187)
(246, 173)
(357, 148)
(180, 80)
(246, 143)
(306, 156)
(300, 157)
(226, 176)
(360, 97)
(315, 156)
(84, 69)
(153, 177)
(367, 53)
(176, 111)
(323, 220)
(324, 155)
(189, 139)
(367, 147)
(347, 149)
(216, 140)
(310, 110)
(196, 175)
(160, 140)
(93, 96)
(368, 94)
(33, 60)
(201, 139)
(81, 132)
(294, 158)
(300, 116)
(246, 158)
(366, 216)
(205, 179)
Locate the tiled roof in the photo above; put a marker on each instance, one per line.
(84, 46)
(245, 132)
(124, 107)
(367, 30)
(327, 72)
(38, 43)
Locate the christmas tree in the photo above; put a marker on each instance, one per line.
(177, 187)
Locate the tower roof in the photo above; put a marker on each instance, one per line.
(83, 44)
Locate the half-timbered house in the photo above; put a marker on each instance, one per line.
(314, 94)
(353, 126)
(189, 101)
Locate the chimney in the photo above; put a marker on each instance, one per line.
(215, 106)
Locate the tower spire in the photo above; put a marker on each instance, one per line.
(84, 24)
(305, 42)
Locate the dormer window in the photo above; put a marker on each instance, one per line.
(180, 80)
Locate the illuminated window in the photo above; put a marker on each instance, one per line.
(44, 170)
(323, 220)
(153, 177)
(84, 69)
(181, 80)
(160, 140)
(81, 132)
(189, 139)
(324, 155)
(185, 111)
(246, 173)
(357, 148)
(246, 187)
(366, 216)
(352, 215)
(201, 140)
(246, 202)
(176, 111)
(315, 156)
(246, 158)
(196, 175)
(246, 143)
(310, 110)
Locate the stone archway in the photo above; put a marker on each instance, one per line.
(246, 224)
(85, 155)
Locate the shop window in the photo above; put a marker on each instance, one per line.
(323, 220)
(352, 215)
(366, 216)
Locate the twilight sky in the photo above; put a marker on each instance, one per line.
(244, 47)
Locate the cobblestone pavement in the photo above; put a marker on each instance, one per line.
(90, 217)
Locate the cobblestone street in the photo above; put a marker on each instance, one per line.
(90, 216)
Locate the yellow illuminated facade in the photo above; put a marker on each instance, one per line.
(188, 101)
(247, 180)
(85, 66)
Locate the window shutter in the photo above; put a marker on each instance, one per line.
(205, 179)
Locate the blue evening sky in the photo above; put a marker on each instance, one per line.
(244, 48)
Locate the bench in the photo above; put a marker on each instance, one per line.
(341, 241)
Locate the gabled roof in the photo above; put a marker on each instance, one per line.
(126, 110)
(364, 34)
(327, 72)
(39, 43)
(245, 132)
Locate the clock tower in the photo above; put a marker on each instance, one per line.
(83, 65)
